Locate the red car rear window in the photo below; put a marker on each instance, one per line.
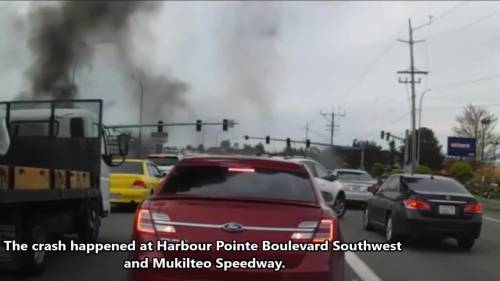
(258, 183)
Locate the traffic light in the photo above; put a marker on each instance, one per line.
(288, 142)
(308, 143)
(268, 139)
(225, 124)
(160, 126)
(388, 135)
(382, 134)
(198, 125)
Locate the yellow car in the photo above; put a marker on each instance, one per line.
(133, 181)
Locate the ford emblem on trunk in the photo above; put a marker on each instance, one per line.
(232, 227)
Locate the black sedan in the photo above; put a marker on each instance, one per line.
(424, 206)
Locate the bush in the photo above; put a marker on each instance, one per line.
(397, 171)
(423, 170)
(377, 169)
(461, 171)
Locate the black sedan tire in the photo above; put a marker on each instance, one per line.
(390, 236)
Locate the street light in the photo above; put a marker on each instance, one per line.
(485, 122)
(141, 87)
(420, 124)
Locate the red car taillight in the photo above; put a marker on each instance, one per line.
(144, 222)
(322, 231)
(325, 231)
(416, 204)
(138, 184)
(473, 208)
(152, 223)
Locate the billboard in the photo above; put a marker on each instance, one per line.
(461, 147)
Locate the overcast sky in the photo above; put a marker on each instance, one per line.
(274, 66)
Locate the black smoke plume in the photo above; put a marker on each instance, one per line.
(61, 38)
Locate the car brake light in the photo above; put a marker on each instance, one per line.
(473, 208)
(308, 232)
(318, 232)
(152, 223)
(144, 222)
(242, 170)
(325, 231)
(138, 184)
(416, 204)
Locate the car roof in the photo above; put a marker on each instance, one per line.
(242, 161)
(351, 170)
(424, 176)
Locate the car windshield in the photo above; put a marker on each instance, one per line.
(345, 175)
(210, 181)
(128, 168)
(164, 161)
(434, 185)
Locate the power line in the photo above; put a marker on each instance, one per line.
(449, 11)
(464, 26)
(375, 63)
(473, 81)
(396, 120)
(318, 134)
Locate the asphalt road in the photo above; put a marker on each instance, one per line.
(65, 266)
(419, 261)
(422, 260)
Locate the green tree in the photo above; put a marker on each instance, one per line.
(430, 150)
(377, 169)
(225, 144)
(461, 171)
(397, 171)
(201, 148)
(259, 148)
(423, 170)
(469, 125)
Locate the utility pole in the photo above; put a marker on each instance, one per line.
(330, 118)
(485, 122)
(412, 71)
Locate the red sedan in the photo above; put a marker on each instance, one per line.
(230, 201)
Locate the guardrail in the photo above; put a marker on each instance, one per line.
(488, 204)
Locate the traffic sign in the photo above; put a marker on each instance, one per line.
(461, 147)
(159, 134)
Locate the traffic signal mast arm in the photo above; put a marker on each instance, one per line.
(291, 140)
(388, 135)
(167, 125)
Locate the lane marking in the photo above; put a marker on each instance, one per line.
(360, 267)
(491, 219)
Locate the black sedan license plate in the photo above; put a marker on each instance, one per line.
(446, 210)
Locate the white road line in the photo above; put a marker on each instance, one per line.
(360, 267)
(491, 219)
